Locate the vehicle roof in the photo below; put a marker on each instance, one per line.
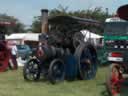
(71, 24)
(63, 19)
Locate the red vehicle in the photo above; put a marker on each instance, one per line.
(5, 54)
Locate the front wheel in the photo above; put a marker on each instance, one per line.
(56, 72)
(31, 70)
(113, 78)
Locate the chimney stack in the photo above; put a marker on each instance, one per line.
(44, 21)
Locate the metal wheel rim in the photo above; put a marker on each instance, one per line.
(57, 70)
(88, 66)
(31, 73)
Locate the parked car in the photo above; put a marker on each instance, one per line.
(24, 51)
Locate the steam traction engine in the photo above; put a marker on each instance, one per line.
(62, 58)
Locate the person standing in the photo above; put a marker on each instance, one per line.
(14, 55)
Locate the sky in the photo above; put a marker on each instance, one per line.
(25, 10)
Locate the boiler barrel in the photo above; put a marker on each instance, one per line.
(52, 52)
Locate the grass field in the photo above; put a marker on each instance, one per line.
(13, 84)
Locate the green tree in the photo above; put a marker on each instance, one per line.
(60, 10)
(36, 25)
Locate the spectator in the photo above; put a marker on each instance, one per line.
(14, 55)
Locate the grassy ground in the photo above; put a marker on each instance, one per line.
(13, 84)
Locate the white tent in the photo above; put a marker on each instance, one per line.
(95, 38)
(23, 36)
(89, 34)
(16, 36)
(32, 36)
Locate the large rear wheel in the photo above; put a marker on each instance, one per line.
(87, 61)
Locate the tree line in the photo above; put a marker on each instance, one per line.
(97, 14)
